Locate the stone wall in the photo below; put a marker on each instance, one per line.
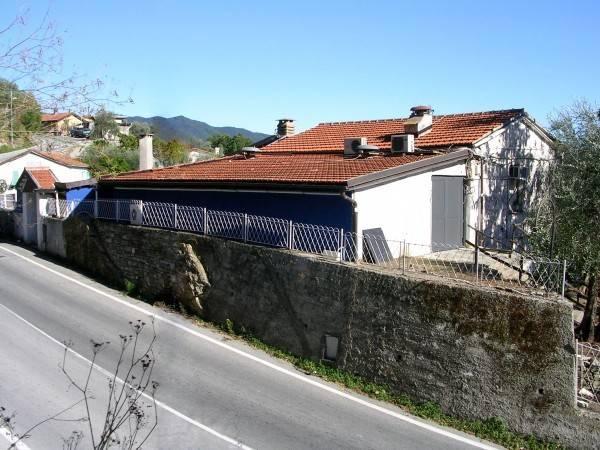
(477, 352)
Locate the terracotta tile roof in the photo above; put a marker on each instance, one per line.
(42, 177)
(297, 168)
(61, 158)
(455, 129)
(55, 117)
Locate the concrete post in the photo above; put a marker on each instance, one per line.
(290, 235)
(204, 221)
(245, 227)
(175, 216)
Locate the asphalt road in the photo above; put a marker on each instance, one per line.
(214, 392)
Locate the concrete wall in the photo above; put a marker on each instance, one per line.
(478, 353)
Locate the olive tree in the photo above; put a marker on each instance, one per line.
(566, 219)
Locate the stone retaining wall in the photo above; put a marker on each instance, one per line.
(476, 352)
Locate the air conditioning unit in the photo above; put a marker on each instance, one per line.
(351, 145)
(403, 143)
(136, 213)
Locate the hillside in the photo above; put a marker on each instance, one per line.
(190, 130)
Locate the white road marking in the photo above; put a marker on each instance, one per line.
(7, 434)
(148, 397)
(360, 401)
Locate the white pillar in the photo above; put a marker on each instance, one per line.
(146, 155)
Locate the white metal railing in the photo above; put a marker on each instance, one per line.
(466, 263)
(8, 201)
(588, 376)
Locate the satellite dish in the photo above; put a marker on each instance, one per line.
(3, 186)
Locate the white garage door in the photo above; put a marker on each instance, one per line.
(447, 212)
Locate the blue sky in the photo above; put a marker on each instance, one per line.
(248, 63)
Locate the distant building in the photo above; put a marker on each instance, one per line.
(61, 123)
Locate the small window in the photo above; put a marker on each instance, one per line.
(517, 171)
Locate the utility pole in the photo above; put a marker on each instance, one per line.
(11, 119)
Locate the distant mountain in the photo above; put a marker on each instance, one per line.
(190, 130)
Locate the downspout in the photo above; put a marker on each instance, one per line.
(353, 203)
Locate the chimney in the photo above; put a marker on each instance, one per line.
(420, 120)
(285, 127)
(146, 155)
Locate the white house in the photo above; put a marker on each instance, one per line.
(432, 181)
(30, 177)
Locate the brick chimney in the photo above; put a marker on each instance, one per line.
(285, 127)
(146, 155)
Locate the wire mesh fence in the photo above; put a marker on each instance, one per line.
(8, 201)
(490, 267)
(588, 376)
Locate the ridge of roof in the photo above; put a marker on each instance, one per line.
(435, 116)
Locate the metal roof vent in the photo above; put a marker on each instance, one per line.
(420, 120)
(403, 143)
(250, 152)
(351, 145)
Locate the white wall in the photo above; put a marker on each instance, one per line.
(402, 209)
(11, 171)
(516, 143)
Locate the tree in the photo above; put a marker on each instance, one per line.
(139, 129)
(105, 126)
(567, 214)
(171, 152)
(229, 144)
(108, 159)
(31, 54)
(129, 141)
(19, 113)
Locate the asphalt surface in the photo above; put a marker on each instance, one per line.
(215, 392)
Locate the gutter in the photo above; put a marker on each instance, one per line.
(221, 186)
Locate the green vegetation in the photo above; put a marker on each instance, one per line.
(21, 113)
(229, 144)
(170, 153)
(105, 158)
(565, 218)
(104, 125)
(490, 429)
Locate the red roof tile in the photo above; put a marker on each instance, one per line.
(299, 168)
(61, 158)
(55, 117)
(316, 155)
(42, 177)
(448, 130)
